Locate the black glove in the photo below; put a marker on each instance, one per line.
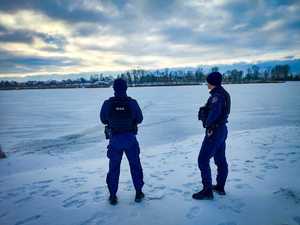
(107, 132)
(202, 115)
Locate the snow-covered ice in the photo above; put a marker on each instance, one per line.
(56, 166)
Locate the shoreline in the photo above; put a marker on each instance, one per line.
(140, 85)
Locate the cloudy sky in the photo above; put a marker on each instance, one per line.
(61, 36)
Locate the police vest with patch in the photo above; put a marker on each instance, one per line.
(204, 111)
(120, 116)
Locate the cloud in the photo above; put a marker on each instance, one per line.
(10, 62)
(72, 11)
(15, 36)
(56, 42)
(121, 34)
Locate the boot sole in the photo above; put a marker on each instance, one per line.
(113, 203)
(206, 198)
(138, 200)
(219, 193)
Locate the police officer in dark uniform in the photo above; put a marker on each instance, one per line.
(121, 114)
(214, 117)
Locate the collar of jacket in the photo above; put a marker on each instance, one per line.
(120, 94)
(216, 89)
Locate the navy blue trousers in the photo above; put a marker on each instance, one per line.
(117, 145)
(214, 146)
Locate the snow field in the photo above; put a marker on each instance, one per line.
(263, 186)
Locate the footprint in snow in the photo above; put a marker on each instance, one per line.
(260, 157)
(246, 171)
(157, 193)
(260, 177)
(176, 190)
(236, 180)
(37, 189)
(75, 182)
(193, 212)
(289, 194)
(22, 200)
(156, 196)
(297, 219)
(153, 175)
(99, 194)
(191, 174)
(187, 196)
(270, 166)
(280, 153)
(156, 176)
(291, 153)
(233, 165)
(28, 220)
(89, 172)
(188, 165)
(75, 200)
(75, 203)
(43, 182)
(96, 219)
(10, 194)
(234, 205)
(167, 172)
(280, 159)
(53, 193)
(3, 214)
(242, 186)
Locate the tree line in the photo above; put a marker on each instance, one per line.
(140, 77)
(167, 76)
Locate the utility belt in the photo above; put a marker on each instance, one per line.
(109, 132)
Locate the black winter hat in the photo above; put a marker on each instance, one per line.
(214, 78)
(120, 85)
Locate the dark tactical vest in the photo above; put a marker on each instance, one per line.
(120, 116)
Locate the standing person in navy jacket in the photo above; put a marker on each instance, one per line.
(121, 115)
(214, 116)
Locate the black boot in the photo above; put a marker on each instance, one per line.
(220, 190)
(205, 194)
(139, 196)
(113, 200)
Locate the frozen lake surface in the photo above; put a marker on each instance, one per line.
(67, 120)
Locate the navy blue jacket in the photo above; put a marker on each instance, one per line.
(134, 106)
(218, 107)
